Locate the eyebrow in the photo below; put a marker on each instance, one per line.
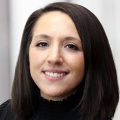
(71, 38)
(44, 36)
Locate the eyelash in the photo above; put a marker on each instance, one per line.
(42, 44)
(68, 46)
(72, 47)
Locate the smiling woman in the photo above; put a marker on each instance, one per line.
(58, 43)
(65, 69)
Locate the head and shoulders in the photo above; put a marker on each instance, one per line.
(68, 41)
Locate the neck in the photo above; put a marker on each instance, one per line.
(57, 98)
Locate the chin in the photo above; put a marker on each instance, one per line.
(53, 96)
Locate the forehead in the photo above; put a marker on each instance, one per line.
(54, 19)
(56, 14)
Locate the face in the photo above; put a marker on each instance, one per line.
(56, 56)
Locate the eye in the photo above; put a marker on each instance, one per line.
(42, 44)
(71, 47)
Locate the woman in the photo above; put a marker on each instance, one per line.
(65, 68)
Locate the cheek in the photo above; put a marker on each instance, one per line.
(33, 58)
(34, 64)
(77, 62)
(78, 68)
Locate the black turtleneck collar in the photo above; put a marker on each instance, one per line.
(60, 110)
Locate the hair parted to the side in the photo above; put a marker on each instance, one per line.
(100, 95)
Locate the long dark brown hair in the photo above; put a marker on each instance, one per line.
(100, 94)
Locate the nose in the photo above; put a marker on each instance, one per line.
(55, 57)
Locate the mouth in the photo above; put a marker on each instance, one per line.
(55, 74)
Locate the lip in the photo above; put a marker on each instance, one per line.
(55, 79)
(56, 70)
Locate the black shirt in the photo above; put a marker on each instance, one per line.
(66, 109)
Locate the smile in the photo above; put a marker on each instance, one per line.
(54, 74)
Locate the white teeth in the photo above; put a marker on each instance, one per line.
(51, 74)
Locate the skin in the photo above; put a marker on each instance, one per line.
(56, 49)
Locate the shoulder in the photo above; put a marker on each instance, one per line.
(6, 112)
(2, 106)
(108, 118)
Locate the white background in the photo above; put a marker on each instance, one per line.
(13, 15)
